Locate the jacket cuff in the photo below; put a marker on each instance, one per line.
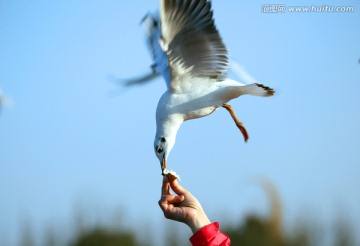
(205, 234)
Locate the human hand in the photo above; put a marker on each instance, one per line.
(183, 207)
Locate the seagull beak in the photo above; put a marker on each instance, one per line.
(144, 18)
(163, 165)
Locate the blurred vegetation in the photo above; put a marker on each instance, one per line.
(258, 231)
(101, 236)
(253, 230)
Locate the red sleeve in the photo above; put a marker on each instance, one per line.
(210, 236)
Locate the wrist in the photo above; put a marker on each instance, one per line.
(199, 221)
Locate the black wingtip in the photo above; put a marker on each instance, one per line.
(270, 91)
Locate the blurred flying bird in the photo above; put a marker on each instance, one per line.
(4, 100)
(192, 58)
(151, 75)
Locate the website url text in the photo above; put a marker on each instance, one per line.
(283, 8)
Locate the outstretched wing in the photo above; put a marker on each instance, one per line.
(192, 43)
(140, 80)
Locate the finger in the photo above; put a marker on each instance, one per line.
(170, 200)
(165, 189)
(176, 199)
(177, 188)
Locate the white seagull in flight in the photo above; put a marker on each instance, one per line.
(191, 56)
(4, 100)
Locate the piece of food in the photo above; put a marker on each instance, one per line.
(172, 175)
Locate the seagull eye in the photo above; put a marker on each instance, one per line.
(155, 23)
(159, 149)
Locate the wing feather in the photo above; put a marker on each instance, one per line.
(191, 41)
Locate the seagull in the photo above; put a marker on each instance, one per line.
(151, 75)
(191, 57)
(4, 100)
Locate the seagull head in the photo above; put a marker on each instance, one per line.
(162, 146)
(151, 23)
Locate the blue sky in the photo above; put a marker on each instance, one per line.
(65, 141)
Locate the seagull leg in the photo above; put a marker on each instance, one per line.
(238, 123)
